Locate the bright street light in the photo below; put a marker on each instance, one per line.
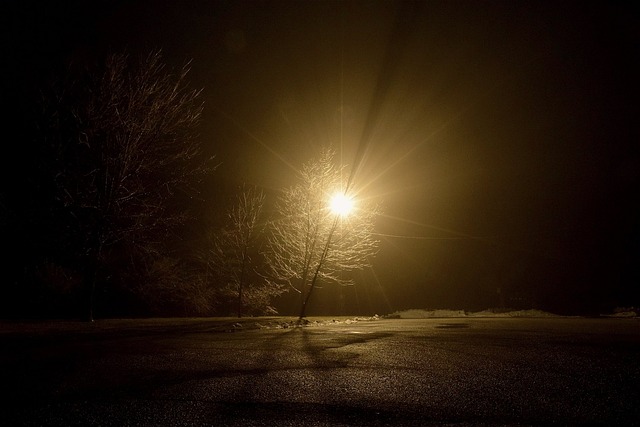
(341, 204)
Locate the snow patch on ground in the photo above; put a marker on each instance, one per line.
(624, 312)
(404, 314)
(296, 323)
(620, 312)
(286, 323)
(439, 313)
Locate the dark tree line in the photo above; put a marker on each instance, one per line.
(95, 221)
(115, 156)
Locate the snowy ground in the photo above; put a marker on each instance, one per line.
(404, 314)
(427, 314)
(230, 324)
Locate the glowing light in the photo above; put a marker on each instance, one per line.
(341, 204)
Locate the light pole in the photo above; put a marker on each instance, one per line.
(340, 205)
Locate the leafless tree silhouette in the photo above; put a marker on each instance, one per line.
(127, 156)
(308, 242)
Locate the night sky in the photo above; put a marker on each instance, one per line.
(500, 137)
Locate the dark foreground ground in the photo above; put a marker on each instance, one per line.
(489, 371)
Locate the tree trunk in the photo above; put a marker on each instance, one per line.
(90, 283)
(304, 305)
(325, 251)
(242, 280)
(313, 283)
(91, 278)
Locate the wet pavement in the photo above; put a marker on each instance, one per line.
(396, 372)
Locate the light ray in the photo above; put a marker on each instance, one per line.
(258, 140)
(400, 236)
(434, 227)
(382, 290)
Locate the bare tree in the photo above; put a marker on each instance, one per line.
(236, 255)
(309, 242)
(127, 156)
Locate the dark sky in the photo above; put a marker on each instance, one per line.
(501, 137)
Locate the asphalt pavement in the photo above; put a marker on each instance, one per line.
(381, 372)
